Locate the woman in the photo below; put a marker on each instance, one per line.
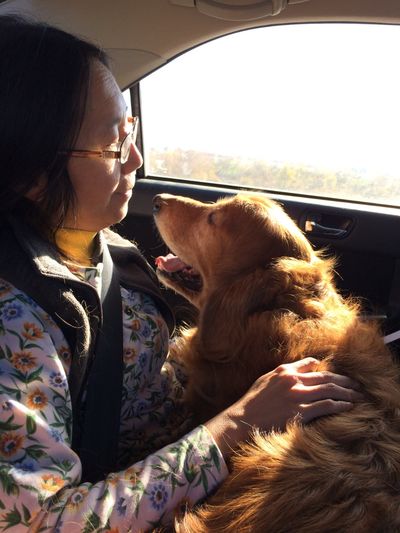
(89, 403)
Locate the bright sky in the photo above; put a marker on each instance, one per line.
(323, 95)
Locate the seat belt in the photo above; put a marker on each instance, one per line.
(387, 339)
(100, 424)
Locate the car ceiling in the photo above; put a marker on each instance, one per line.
(142, 35)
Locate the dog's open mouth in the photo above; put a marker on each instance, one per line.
(170, 266)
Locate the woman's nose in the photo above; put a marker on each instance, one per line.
(135, 160)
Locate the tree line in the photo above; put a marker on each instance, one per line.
(202, 166)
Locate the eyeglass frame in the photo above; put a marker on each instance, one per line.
(109, 153)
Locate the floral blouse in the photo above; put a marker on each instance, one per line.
(40, 486)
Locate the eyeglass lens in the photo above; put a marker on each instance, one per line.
(125, 148)
(126, 145)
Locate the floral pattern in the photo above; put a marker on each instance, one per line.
(40, 487)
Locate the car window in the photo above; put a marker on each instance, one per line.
(310, 109)
(127, 97)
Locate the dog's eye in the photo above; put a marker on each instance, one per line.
(211, 218)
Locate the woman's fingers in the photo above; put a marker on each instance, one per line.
(312, 393)
(327, 391)
(318, 378)
(297, 390)
(310, 411)
(303, 365)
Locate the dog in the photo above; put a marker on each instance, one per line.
(266, 298)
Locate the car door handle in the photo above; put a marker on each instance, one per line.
(326, 224)
(313, 227)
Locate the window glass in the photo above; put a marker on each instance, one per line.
(127, 97)
(310, 109)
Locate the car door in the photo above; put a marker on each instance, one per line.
(305, 113)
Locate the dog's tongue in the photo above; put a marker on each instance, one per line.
(170, 263)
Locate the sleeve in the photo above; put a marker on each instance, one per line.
(40, 487)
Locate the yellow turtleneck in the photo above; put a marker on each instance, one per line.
(78, 245)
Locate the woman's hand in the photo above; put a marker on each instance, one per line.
(291, 390)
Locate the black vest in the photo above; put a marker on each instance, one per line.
(34, 266)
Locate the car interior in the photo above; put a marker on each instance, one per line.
(325, 87)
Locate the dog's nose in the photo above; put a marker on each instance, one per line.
(158, 201)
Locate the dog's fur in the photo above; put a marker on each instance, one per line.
(266, 299)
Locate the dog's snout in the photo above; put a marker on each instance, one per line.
(158, 202)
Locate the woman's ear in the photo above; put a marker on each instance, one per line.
(34, 194)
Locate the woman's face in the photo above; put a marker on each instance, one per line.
(102, 187)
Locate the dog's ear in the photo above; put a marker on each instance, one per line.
(307, 287)
(290, 285)
(222, 322)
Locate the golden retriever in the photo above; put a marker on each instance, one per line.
(266, 298)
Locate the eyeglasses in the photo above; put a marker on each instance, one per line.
(119, 150)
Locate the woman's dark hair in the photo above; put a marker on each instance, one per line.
(44, 79)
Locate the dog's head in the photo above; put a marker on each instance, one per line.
(216, 243)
